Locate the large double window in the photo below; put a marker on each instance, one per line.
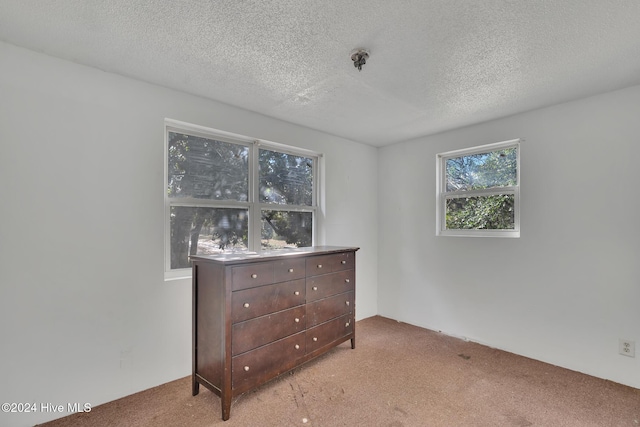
(228, 193)
(479, 191)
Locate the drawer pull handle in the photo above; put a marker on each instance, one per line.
(347, 280)
(344, 262)
(297, 347)
(347, 302)
(246, 305)
(254, 276)
(246, 368)
(315, 338)
(297, 320)
(296, 293)
(346, 325)
(291, 270)
(315, 288)
(319, 265)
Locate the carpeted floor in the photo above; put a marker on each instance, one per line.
(398, 376)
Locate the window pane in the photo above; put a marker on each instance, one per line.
(198, 230)
(481, 213)
(485, 170)
(204, 168)
(285, 179)
(286, 229)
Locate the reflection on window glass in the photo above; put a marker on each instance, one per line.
(205, 168)
(285, 179)
(229, 193)
(286, 229)
(205, 231)
(485, 170)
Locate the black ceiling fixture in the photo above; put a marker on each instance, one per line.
(359, 58)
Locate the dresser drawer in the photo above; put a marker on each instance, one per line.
(326, 309)
(255, 367)
(252, 275)
(254, 302)
(257, 332)
(289, 269)
(329, 263)
(328, 332)
(330, 284)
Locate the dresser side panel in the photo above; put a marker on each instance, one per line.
(210, 301)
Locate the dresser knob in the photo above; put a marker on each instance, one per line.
(344, 262)
(315, 288)
(291, 270)
(315, 338)
(254, 276)
(246, 368)
(297, 347)
(246, 305)
(296, 293)
(297, 320)
(347, 302)
(346, 325)
(319, 265)
(347, 280)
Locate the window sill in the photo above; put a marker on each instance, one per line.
(181, 274)
(479, 233)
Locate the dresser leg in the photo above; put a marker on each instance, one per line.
(353, 343)
(226, 407)
(195, 386)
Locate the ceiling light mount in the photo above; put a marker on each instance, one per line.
(359, 58)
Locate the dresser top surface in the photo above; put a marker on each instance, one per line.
(244, 257)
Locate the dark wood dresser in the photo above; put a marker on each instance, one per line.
(257, 316)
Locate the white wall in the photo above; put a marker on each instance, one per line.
(569, 288)
(85, 313)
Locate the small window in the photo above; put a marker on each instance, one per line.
(479, 191)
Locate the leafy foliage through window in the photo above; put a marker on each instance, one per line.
(217, 185)
(479, 191)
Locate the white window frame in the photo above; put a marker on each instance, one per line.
(253, 206)
(442, 194)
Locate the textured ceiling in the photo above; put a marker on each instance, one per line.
(434, 65)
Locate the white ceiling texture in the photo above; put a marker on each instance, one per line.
(434, 65)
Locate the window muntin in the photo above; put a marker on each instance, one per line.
(227, 193)
(479, 191)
